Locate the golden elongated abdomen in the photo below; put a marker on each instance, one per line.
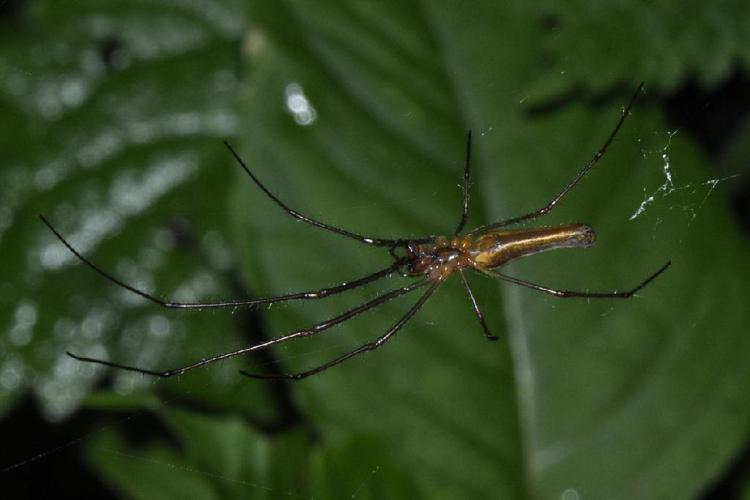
(495, 248)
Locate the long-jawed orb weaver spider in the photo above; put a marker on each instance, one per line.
(432, 259)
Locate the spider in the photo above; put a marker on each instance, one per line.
(432, 260)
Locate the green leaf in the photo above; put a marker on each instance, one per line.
(220, 457)
(608, 392)
(157, 469)
(361, 468)
(356, 114)
(217, 458)
(652, 41)
(118, 144)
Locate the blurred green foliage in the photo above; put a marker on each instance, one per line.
(356, 113)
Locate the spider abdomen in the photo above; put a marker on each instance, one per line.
(495, 248)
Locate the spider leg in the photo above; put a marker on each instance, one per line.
(307, 332)
(378, 242)
(477, 311)
(370, 346)
(307, 295)
(568, 293)
(585, 170)
(467, 185)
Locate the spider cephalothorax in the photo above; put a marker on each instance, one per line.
(438, 259)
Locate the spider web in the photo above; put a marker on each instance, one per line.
(669, 189)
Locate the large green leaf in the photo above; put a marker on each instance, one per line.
(356, 113)
(584, 397)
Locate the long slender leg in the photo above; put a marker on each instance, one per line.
(370, 346)
(467, 185)
(477, 311)
(585, 170)
(378, 242)
(569, 293)
(310, 294)
(307, 332)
